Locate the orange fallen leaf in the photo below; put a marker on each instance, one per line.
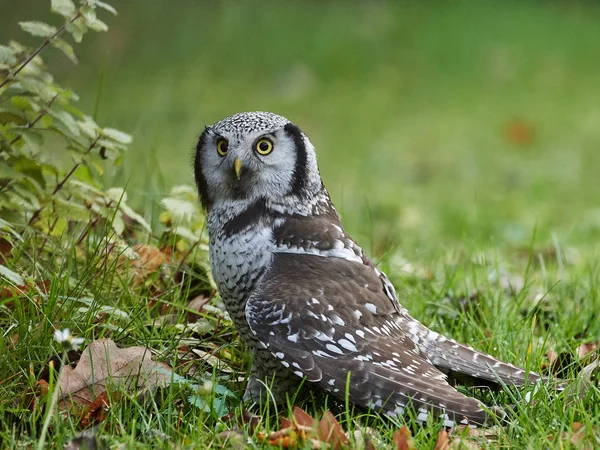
(147, 263)
(518, 132)
(43, 386)
(331, 432)
(403, 439)
(302, 419)
(285, 438)
(443, 441)
(303, 429)
(284, 422)
(96, 411)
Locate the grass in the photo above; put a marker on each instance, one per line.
(458, 140)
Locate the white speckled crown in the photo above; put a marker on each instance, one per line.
(249, 122)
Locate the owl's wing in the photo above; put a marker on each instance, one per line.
(329, 320)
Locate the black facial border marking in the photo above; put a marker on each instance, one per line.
(198, 175)
(300, 178)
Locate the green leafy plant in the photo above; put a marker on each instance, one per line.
(52, 154)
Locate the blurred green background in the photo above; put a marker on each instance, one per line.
(437, 124)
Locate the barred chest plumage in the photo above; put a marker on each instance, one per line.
(238, 258)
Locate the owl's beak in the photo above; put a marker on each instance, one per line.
(237, 167)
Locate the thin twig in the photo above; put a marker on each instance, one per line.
(42, 113)
(38, 50)
(47, 236)
(186, 255)
(63, 181)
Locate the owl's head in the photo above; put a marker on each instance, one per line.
(255, 155)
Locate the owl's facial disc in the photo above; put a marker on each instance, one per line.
(254, 155)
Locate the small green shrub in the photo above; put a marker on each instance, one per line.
(52, 155)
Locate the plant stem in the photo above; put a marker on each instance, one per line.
(39, 50)
(42, 113)
(50, 413)
(62, 182)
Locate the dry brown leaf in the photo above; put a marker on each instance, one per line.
(468, 438)
(519, 132)
(43, 387)
(552, 356)
(578, 437)
(331, 432)
(443, 441)
(586, 348)
(11, 292)
(102, 363)
(96, 412)
(302, 419)
(403, 439)
(246, 418)
(148, 262)
(284, 422)
(285, 438)
(195, 306)
(233, 439)
(302, 429)
(31, 398)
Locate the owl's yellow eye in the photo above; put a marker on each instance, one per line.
(264, 146)
(222, 147)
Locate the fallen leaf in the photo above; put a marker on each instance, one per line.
(465, 437)
(443, 441)
(302, 429)
(285, 438)
(518, 132)
(103, 363)
(302, 419)
(403, 439)
(284, 422)
(586, 348)
(246, 418)
(96, 412)
(234, 439)
(331, 432)
(578, 437)
(148, 261)
(563, 362)
(552, 357)
(195, 306)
